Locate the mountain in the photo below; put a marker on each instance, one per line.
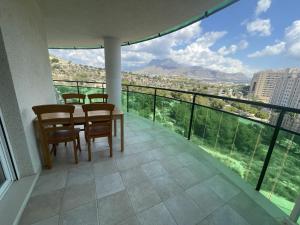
(168, 67)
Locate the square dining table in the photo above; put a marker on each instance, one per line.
(79, 119)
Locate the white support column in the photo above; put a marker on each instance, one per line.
(112, 50)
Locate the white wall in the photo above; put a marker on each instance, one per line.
(27, 81)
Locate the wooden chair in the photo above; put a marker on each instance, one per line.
(102, 97)
(98, 123)
(53, 131)
(74, 98)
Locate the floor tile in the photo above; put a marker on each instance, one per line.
(201, 171)
(154, 169)
(184, 177)
(80, 175)
(205, 198)
(41, 207)
(132, 220)
(252, 212)
(50, 221)
(79, 194)
(115, 208)
(127, 162)
(166, 187)
(171, 163)
(225, 216)
(184, 210)
(134, 176)
(222, 187)
(83, 215)
(187, 159)
(104, 168)
(50, 182)
(157, 215)
(143, 196)
(108, 185)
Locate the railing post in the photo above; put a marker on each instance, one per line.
(127, 97)
(154, 105)
(270, 150)
(192, 116)
(77, 87)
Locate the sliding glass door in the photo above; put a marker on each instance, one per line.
(6, 167)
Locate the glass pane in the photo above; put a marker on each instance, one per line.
(62, 89)
(240, 144)
(282, 181)
(91, 90)
(173, 114)
(124, 101)
(2, 175)
(141, 104)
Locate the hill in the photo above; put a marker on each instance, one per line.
(168, 67)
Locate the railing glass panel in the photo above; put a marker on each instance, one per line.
(282, 181)
(141, 104)
(173, 114)
(239, 143)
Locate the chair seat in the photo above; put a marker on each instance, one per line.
(62, 135)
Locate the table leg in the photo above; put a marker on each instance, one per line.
(115, 127)
(46, 155)
(122, 132)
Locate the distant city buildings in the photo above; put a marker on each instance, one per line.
(263, 84)
(287, 91)
(282, 88)
(284, 82)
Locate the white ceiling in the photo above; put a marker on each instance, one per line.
(84, 23)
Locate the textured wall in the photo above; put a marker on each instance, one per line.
(29, 70)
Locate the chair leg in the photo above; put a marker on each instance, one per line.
(89, 150)
(78, 143)
(75, 151)
(66, 143)
(110, 146)
(54, 149)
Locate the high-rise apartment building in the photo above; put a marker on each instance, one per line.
(263, 84)
(287, 91)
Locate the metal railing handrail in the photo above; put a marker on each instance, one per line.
(249, 102)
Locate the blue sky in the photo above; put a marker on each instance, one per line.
(248, 36)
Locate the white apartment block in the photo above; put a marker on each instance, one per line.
(287, 91)
(263, 84)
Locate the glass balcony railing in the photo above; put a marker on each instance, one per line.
(259, 142)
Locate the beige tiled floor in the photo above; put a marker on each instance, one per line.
(160, 179)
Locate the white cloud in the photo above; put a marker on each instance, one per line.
(292, 37)
(262, 6)
(233, 48)
(199, 53)
(262, 27)
(269, 50)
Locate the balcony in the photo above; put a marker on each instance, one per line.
(190, 161)
(186, 162)
(161, 178)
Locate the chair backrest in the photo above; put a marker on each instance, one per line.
(52, 118)
(74, 98)
(102, 97)
(98, 114)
